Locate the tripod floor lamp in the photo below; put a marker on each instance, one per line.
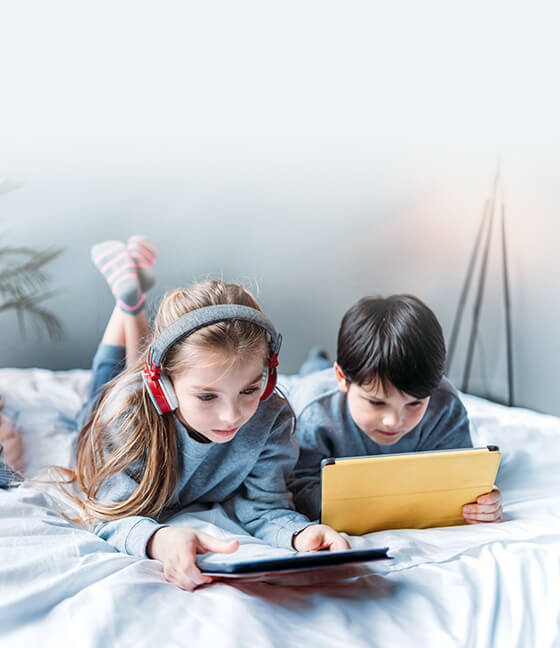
(479, 256)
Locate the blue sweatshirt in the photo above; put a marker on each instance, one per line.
(325, 428)
(248, 474)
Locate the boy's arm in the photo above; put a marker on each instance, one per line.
(314, 446)
(305, 484)
(451, 430)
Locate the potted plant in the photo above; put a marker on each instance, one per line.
(23, 288)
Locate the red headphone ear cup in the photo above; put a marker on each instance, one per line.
(264, 381)
(169, 392)
(160, 391)
(270, 383)
(154, 393)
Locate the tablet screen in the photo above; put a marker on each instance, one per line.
(295, 562)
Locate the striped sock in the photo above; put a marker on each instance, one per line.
(143, 253)
(114, 263)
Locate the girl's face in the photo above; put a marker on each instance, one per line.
(383, 412)
(215, 398)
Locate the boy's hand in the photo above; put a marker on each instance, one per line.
(488, 508)
(177, 547)
(319, 536)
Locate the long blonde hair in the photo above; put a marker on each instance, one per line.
(125, 432)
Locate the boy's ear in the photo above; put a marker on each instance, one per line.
(340, 378)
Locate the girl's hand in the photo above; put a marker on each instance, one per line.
(177, 547)
(319, 536)
(488, 508)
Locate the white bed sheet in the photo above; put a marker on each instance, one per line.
(477, 586)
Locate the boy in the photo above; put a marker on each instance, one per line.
(385, 394)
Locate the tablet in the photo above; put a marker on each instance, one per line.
(294, 563)
(414, 490)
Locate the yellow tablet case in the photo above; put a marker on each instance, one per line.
(413, 490)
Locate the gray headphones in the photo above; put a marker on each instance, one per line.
(158, 383)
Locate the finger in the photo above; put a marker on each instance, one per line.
(207, 542)
(190, 572)
(484, 517)
(194, 576)
(473, 521)
(315, 542)
(481, 510)
(475, 510)
(494, 495)
(339, 543)
(487, 499)
(186, 583)
(176, 577)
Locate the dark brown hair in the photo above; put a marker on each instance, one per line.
(396, 339)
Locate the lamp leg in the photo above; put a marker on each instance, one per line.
(507, 307)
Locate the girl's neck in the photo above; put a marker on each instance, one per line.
(196, 436)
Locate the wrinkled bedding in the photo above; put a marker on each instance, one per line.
(481, 586)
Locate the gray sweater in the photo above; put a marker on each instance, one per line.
(248, 474)
(325, 428)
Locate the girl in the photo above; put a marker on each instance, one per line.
(188, 420)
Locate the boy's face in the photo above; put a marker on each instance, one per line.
(383, 412)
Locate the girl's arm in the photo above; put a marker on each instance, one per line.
(129, 534)
(264, 505)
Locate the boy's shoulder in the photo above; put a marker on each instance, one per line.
(445, 394)
(445, 424)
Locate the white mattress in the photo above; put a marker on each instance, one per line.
(481, 586)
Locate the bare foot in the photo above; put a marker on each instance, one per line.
(10, 438)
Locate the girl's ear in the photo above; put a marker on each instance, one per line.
(340, 378)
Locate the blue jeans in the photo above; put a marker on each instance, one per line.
(108, 362)
(317, 360)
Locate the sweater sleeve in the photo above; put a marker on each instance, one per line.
(129, 534)
(264, 504)
(314, 446)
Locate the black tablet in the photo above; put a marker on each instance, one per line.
(297, 562)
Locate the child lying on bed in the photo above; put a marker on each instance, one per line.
(193, 418)
(385, 394)
(11, 450)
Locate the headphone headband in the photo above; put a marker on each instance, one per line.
(206, 316)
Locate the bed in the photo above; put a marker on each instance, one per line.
(481, 586)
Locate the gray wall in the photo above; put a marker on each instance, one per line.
(315, 151)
